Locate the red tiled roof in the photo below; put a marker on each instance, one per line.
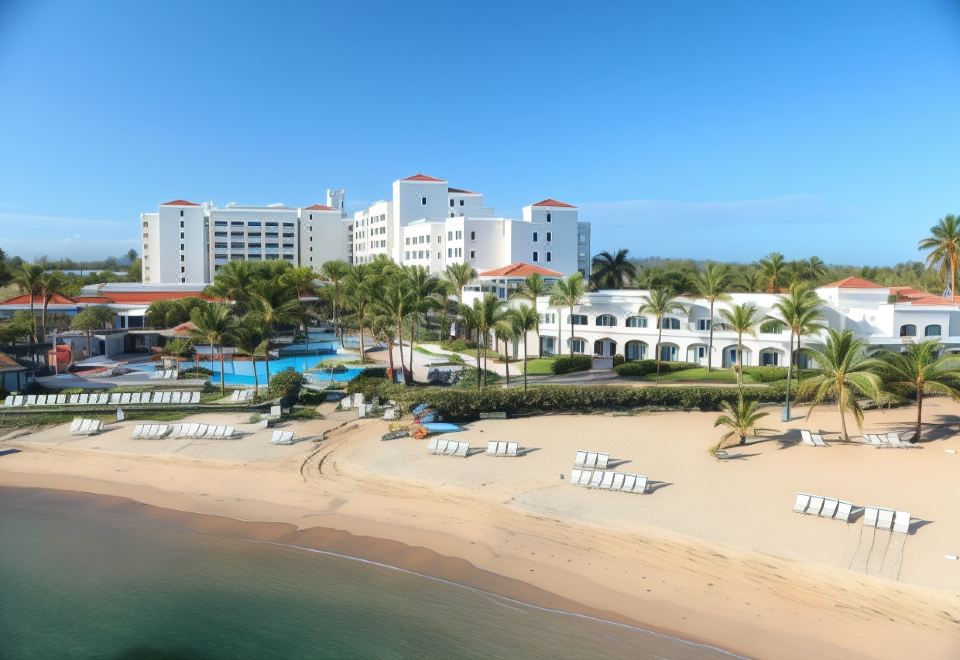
(423, 177)
(553, 202)
(932, 300)
(461, 191)
(56, 299)
(179, 202)
(520, 270)
(7, 363)
(852, 283)
(319, 207)
(128, 297)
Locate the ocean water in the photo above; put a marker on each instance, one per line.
(79, 579)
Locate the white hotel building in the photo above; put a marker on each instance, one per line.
(609, 323)
(425, 223)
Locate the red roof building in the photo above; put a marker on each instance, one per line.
(179, 202)
(853, 283)
(423, 177)
(319, 207)
(520, 270)
(555, 203)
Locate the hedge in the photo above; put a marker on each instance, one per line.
(766, 374)
(646, 367)
(286, 385)
(464, 405)
(565, 364)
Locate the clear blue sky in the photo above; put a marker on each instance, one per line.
(704, 129)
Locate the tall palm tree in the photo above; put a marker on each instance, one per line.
(773, 270)
(272, 305)
(742, 319)
(504, 331)
(395, 303)
(249, 339)
(532, 288)
(362, 288)
(178, 349)
(921, 369)
(659, 302)
(235, 281)
(568, 293)
(815, 270)
(50, 285)
(472, 319)
(491, 312)
(843, 371)
(422, 288)
(443, 291)
(750, 280)
(712, 284)
(943, 249)
(740, 420)
(612, 271)
(335, 272)
(27, 278)
(525, 319)
(800, 311)
(459, 276)
(212, 325)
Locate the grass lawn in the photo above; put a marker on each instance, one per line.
(699, 375)
(451, 358)
(539, 367)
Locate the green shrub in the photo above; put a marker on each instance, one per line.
(285, 385)
(459, 345)
(646, 367)
(618, 360)
(565, 364)
(766, 374)
(305, 412)
(195, 372)
(312, 397)
(468, 377)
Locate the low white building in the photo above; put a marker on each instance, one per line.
(609, 323)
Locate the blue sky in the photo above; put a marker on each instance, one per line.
(720, 130)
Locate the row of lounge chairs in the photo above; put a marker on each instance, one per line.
(591, 460)
(203, 431)
(884, 519)
(824, 507)
(812, 439)
(166, 374)
(282, 438)
(151, 430)
(240, 396)
(104, 399)
(495, 448)
(448, 448)
(609, 480)
(892, 439)
(81, 426)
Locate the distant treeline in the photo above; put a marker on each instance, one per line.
(86, 272)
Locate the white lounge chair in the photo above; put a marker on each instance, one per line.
(41, 400)
(896, 441)
(432, 446)
(585, 477)
(75, 424)
(18, 401)
(844, 509)
(575, 476)
(114, 398)
(596, 478)
(462, 449)
(175, 398)
(512, 449)
(902, 523)
(829, 507)
(492, 448)
(581, 459)
(195, 398)
(870, 516)
(607, 482)
(818, 440)
(618, 478)
(873, 439)
(9, 400)
(816, 503)
(885, 518)
(602, 460)
(640, 485)
(31, 399)
(235, 396)
(807, 437)
(229, 431)
(452, 448)
(201, 431)
(591, 461)
(87, 427)
(442, 446)
(167, 397)
(282, 437)
(802, 502)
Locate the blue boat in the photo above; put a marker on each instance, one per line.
(441, 427)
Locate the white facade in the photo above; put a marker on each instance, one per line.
(187, 243)
(608, 323)
(428, 223)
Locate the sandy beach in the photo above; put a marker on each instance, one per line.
(714, 553)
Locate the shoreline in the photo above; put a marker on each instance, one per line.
(378, 552)
(509, 528)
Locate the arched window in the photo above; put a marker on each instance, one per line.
(636, 321)
(606, 320)
(577, 319)
(908, 330)
(932, 330)
(579, 345)
(635, 350)
(670, 324)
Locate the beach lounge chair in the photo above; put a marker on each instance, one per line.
(829, 507)
(41, 400)
(492, 448)
(818, 440)
(114, 399)
(908, 437)
(596, 479)
(512, 449)
(82, 399)
(31, 399)
(618, 478)
(432, 446)
(138, 430)
(844, 509)
(74, 399)
(61, 399)
(442, 446)
(124, 398)
(75, 424)
(200, 432)
(581, 459)
(195, 397)
(452, 448)
(166, 398)
(18, 401)
(895, 440)
(873, 439)
(902, 523)
(816, 503)
(803, 501)
(235, 396)
(575, 476)
(885, 518)
(86, 427)
(282, 437)
(462, 449)
(501, 448)
(591, 461)
(640, 485)
(870, 516)
(602, 460)
(607, 482)
(229, 431)
(807, 437)
(103, 399)
(175, 398)
(8, 401)
(585, 478)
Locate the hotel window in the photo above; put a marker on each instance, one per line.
(220, 223)
(549, 257)
(181, 247)
(548, 318)
(473, 254)
(288, 225)
(449, 235)
(423, 201)
(549, 219)
(181, 224)
(406, 241)
(704, 324)
(473, 236)
(670, 324)
(183, 269)
(181, 213)
(536, 257)
(406, 254)
(254, 246)
(449, 253)
(770, 328)
(459, 235)
(181, 237)
(146, 224)
(451, 202)
(535, 237)
(908, 330)
(577, 319)
(636, 322)
(220, 245)
(606, 320)
(549, 236)
(181, 258)
(461, 202)
(932, 330)
(579, 345)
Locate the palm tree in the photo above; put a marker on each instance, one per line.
(742, 319)
(712, 284)
(472, 317)
(395, 303)
(843, 371)
(740, 420)
(922, 369)
(525, 318)
(443, 291)
(249, 339)
(459, 276)
(659, 302)
(943, 246)
(568, 293)
(532, 288)
(612, 271)
(800, 311)
(422, 288)
(92, 318)
(750, 280)
(773, 271)
(490, 312)
(335, 272)
(815, 269)
(50, 285)
(178, 348)
(213, 324)
(235, 281)
(28, 278)
(503, 331)
(362, 289)
(272, 305)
